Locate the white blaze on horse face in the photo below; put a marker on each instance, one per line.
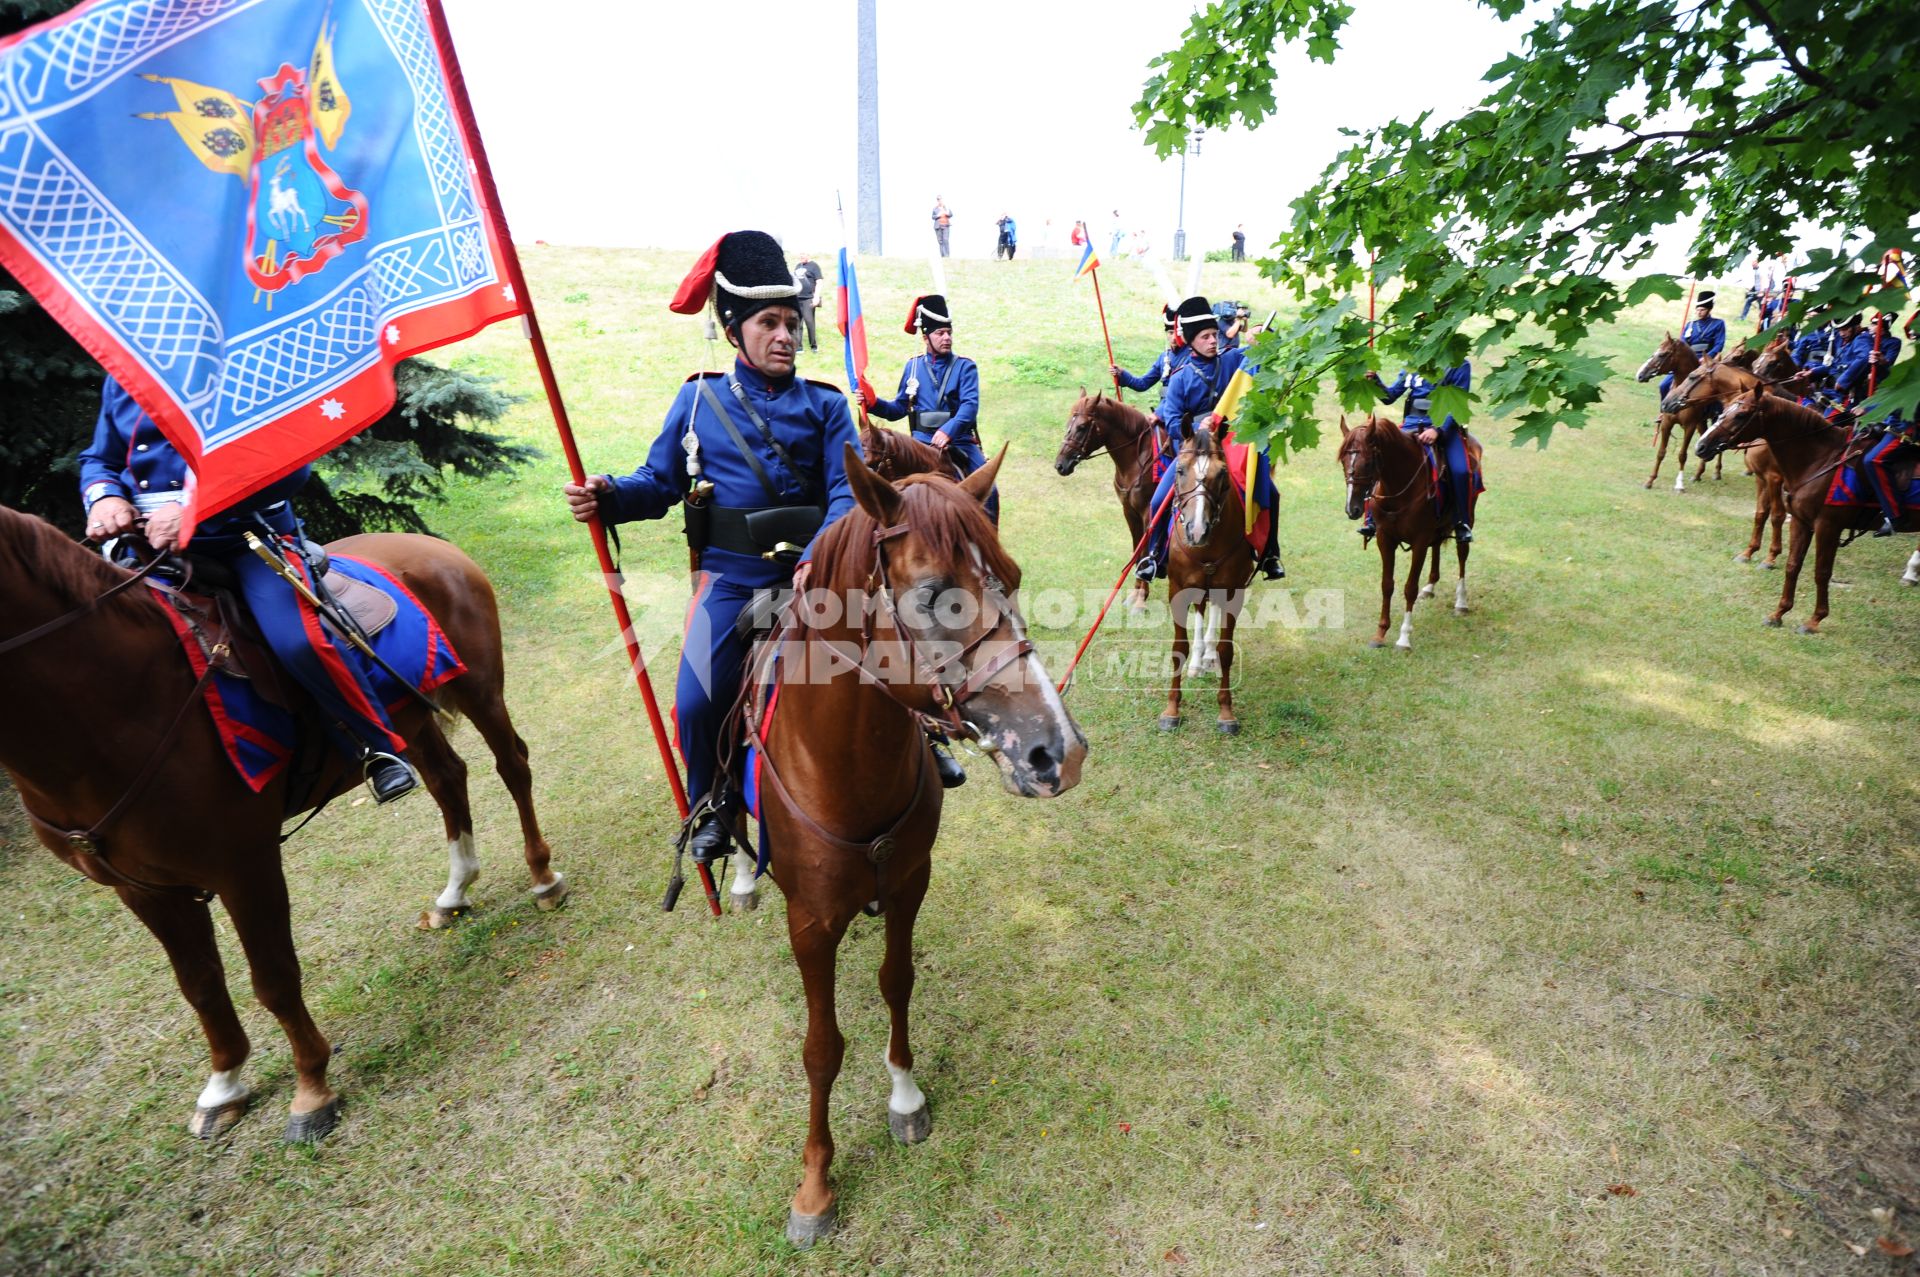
(463, 867)
(1197, 513)
(907, 1097)
(222, 1088)
(1646, 369)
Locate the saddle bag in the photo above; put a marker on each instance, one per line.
(932, 422)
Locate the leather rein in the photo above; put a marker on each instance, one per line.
(88, 842)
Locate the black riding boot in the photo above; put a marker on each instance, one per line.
(710, 842)
(390, 777)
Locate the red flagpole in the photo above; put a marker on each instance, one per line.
(609, 573)
(1689, 309)
(1113, 594)
(1095, 272)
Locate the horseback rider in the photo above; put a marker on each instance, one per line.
(131, 472)
(756, 456)
(1704, 335)
(1829, 383)
(1448, 439)
(1899, 442)
(1168, 363)
(940, 393)
(1195, 387)
(1815, 346)
(1863, 361)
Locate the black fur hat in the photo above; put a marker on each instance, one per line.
(742, 273)
(928, 312)
(1196, 316)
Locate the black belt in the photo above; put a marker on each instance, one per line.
(762, 532)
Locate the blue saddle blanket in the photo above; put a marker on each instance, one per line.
(260, 736)
(1851, 487)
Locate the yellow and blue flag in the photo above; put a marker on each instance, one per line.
(1088, 262)
(186, 186)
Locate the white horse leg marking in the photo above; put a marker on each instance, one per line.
(1460, 595)
(1210, 648)
(1406, 632)
(223, 1088)
(463, 868)
(1196, 634)
(744, 882)
(1426, 591)
(1913, 570)
(907, 1096)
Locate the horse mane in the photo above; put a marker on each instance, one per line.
(73, 575)
(1130, 417)
(1741, 358)
(937, 511)
(906, 454)
(1793, 410)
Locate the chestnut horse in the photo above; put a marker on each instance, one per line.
(103, 733)
(1099, 424)
(1676, 357)
(1775, 363)
(908, 613)
(1388, 468)
(1209, 565)
(1809, 449)
(1708, 387)
(895, 454)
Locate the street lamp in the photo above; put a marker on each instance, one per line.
(1191, 145)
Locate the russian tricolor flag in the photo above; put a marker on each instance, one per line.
(853, 327)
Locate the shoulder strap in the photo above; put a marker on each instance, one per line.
(940, 395)
(733, 432)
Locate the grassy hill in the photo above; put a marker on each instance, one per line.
(1580, 940)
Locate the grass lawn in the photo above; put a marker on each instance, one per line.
(1582, 939)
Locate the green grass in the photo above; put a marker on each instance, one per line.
(1603, 884)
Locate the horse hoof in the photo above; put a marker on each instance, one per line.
(438, 919)
(212, 1123)
(1806, 629)
(1743, 558)
(1379, 642)
(1773, 622)
(1648, 484)
(1459, 611)
(311, 1128)
(1227, 727)
(550, 897)
(910, 1128)
(1170, 722)
(1404, 645)
(1770, 566)
(1426, 592)
(804, 1230)
(744, 901)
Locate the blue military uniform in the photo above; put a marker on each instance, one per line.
(1853, 365)
(934, 384)
(1898, 441)
(1452, 441)
(130, 458)
(1815, 346)
(811, 421)
(1705, 337)
(728, 431)
(1192, 392)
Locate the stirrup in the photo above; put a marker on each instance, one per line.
(388, 776)
(1146, 569)
(1885, 529)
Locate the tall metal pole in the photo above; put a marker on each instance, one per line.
(1180, 227)
(869, 129)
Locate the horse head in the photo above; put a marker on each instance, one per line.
(1776, 361)
(894, 454)
(1359, 458)
(1085, 433)
(1202, 485)
(956, 647)
(1740, 421)
(1686, 391)
(1661, 361)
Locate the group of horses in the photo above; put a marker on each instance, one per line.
(1389, 474)
(1792, 452)
(119, 778)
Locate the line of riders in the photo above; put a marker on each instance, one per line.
(1196, 366)
(1838, 365)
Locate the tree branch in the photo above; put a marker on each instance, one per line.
(1799, 68)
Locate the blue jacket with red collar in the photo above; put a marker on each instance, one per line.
(809, 418)
(131, 459)
(1196, 387)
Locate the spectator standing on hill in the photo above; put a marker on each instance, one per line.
(942, 221)
(1009, 237)
(1240, 243)
(1119, 233)
(807, 277)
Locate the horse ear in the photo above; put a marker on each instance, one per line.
(1344, 432)
(978, 484)
(872, 493)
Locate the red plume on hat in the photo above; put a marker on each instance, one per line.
(697, 288)
(913, 314)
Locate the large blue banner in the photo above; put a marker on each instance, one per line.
(248, 211)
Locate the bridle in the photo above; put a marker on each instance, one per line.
(1354, 473)
(87, 842)
(1079, 431)
(938, 677)
(1181, 498)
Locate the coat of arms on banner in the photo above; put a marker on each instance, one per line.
(300, 214)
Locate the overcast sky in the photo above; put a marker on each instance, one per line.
(663, 125)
